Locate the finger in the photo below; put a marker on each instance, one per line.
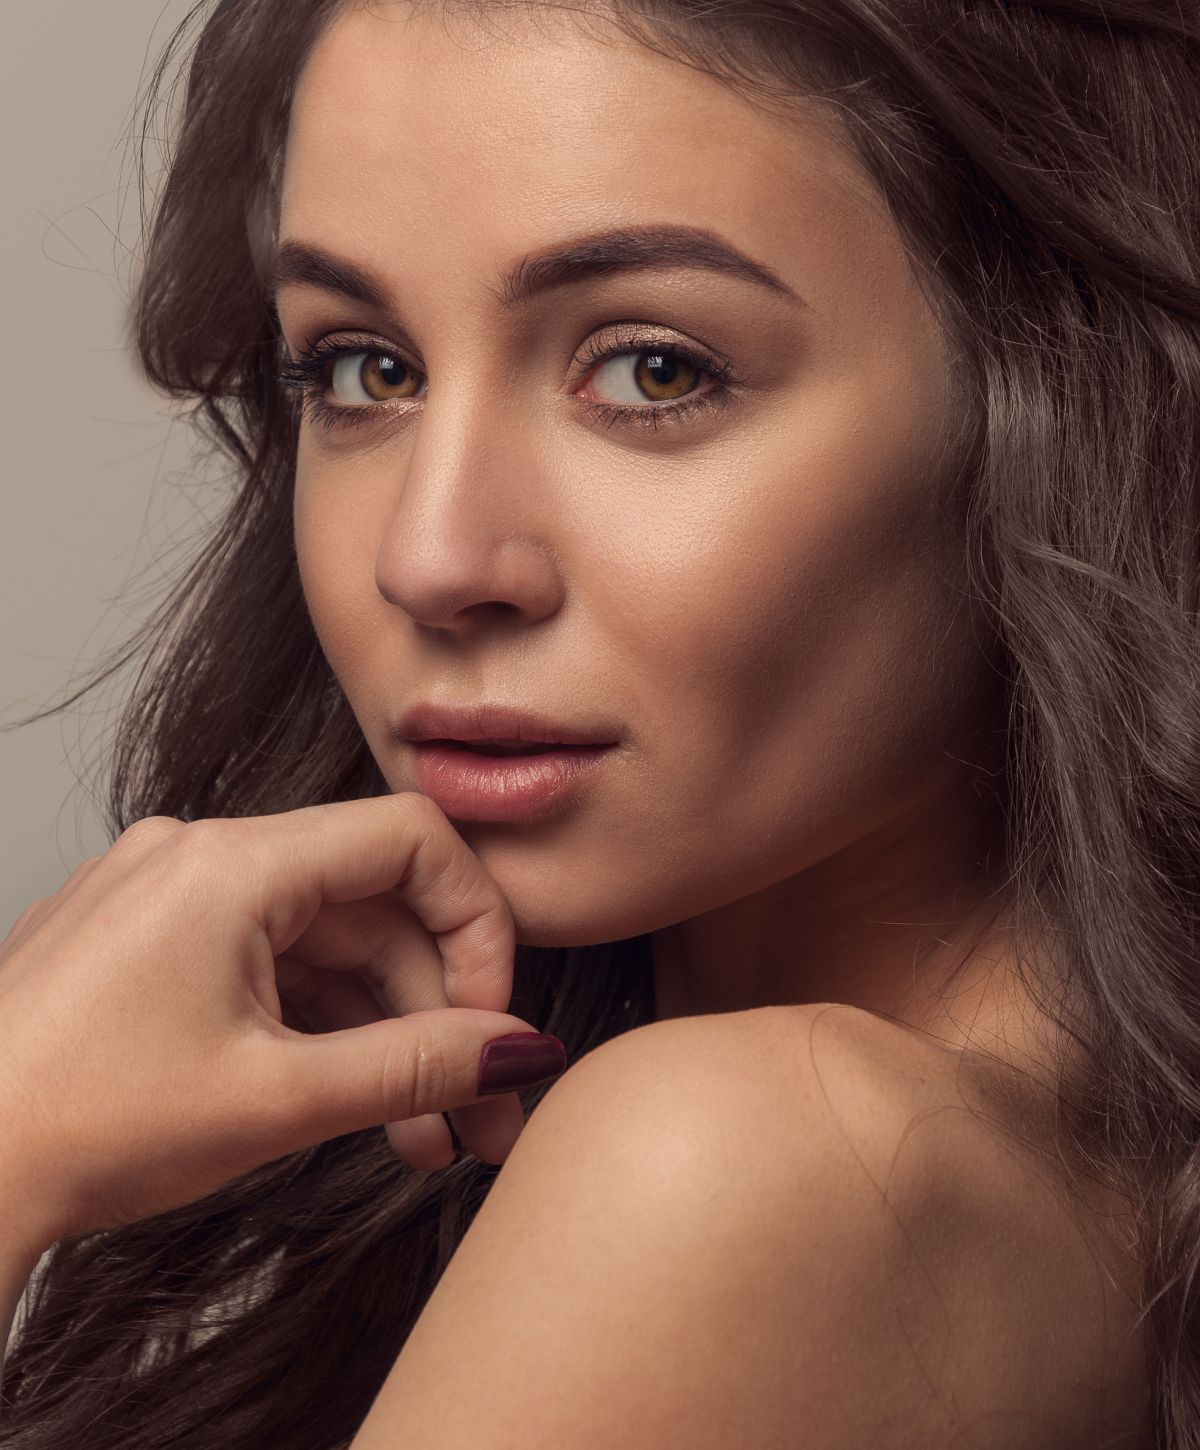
(334, 1000)
(404, 972)
(490, 1128)
(403, 844)
(331, 1001)
(423, 1142)
(141, 839)
(287, 865)
(382, 942)
(324, 1085)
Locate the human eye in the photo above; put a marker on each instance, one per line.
(339, 367)
(371, 377)
(668, 371)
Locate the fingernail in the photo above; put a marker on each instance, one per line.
(521, 1059)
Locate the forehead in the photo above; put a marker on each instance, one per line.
(468, 138)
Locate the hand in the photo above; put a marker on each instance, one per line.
(144, 1060)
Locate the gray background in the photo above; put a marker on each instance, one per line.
(98, 491)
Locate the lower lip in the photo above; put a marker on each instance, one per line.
(474, 787)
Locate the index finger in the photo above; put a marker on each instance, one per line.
(291, 862)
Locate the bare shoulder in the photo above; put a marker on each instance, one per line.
(1023, 1282)
(715, 1229)
(1006, 1293)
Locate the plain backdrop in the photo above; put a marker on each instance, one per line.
(99, 494)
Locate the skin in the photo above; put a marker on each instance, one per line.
(765, 599)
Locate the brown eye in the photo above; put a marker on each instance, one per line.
(663, 377)
(656, 376)
(380, 377)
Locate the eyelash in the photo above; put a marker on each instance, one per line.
(306, 375)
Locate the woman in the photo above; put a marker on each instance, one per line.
(790, 414)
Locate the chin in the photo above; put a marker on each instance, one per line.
(545, 918)
(565, 886)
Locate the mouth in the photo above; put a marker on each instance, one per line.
(505, 747)
(493, 780)
(498, 729)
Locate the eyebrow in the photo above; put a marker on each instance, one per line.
(604, 253)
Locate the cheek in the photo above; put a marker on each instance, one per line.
(810, 621)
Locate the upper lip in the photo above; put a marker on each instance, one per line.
(496, 722)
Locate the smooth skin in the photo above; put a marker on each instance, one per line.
(778, 1228)
(765, 600)
(145, 1058)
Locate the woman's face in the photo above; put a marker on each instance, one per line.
(755, 594)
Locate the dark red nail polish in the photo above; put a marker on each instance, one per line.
(520, 1059)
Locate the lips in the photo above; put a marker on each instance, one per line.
(498, 747)
(471, 785)
(499, 727)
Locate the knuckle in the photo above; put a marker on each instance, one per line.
(85, 869)
(200, 841)
(419, 824)
(196, 855)
(414, 1076)
(149, 831)
(27, 916)
(450, 872)
(397, 1094)
(424, 811)
(450, 864)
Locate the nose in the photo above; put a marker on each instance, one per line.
(471, 534)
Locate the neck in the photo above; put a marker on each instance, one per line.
(911, 922)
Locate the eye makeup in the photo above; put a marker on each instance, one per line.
(310, 375)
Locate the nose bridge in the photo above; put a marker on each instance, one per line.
(468, 521)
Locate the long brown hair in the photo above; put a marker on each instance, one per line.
(1040, 160)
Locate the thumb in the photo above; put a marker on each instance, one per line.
(406, 1067)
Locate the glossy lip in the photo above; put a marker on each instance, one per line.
(497, 722)
(473, 787)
